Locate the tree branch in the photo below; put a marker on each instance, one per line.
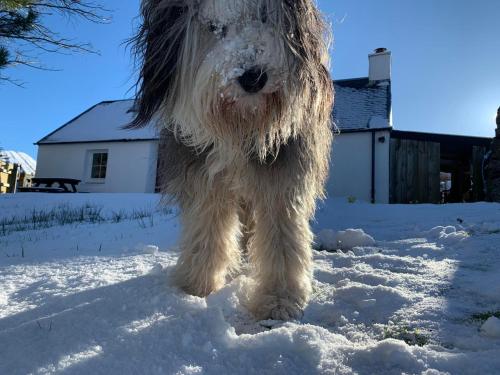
(21, 24)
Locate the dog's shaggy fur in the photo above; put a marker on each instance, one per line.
(242, 93)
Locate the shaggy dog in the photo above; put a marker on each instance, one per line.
(242, 93)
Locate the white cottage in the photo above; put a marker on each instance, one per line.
(95, 149)
(363, 116)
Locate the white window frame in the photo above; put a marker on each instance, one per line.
(89, 166)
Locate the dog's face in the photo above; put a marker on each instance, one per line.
(246, 60)
(232, 73)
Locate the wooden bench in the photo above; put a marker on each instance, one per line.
(45, 185)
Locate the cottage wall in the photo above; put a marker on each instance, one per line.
(351, 166)
(131, 166)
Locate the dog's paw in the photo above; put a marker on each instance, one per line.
(196, 285)
(276, 308)
(195, 290)
(286, 312)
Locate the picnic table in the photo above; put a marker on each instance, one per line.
(46, 185)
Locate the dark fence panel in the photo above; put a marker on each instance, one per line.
(415, 171)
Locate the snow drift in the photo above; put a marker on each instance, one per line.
(414, 290)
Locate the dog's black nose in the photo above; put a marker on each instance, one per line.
(253, 80)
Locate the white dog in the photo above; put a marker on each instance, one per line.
(242, 93)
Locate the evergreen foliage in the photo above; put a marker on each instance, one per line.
(22, 29)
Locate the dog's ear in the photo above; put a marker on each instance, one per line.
(308, 37)
(157, 48)
(306, 31)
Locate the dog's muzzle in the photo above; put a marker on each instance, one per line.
(253, 80)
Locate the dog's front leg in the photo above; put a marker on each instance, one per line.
(281, 256)
(209, 240)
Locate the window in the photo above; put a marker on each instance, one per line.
(99, 164)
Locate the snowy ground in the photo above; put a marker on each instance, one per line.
(81, 292)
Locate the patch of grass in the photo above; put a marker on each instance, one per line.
(411, 336)
(146, 222)
(64, 214)
(144, 217)
(118, 216)
(166, 210)
(141, 214)
(484, 316)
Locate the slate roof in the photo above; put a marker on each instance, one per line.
(362, 105)
(101, 123)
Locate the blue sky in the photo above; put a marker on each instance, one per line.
(446, 66)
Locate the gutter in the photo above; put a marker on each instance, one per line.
(365, 130)
(373, 131)
(373, 169)
(125, 140)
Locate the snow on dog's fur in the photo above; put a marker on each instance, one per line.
(241, 92)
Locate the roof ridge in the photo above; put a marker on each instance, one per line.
(351, 79)
(115, 101)
(80, 115)
(100, 122)
(67, 123)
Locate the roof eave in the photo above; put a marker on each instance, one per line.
(365, 130)
(125, 140)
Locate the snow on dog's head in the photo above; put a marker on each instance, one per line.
(233, 74)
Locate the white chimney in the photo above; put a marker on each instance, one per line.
(380, 65)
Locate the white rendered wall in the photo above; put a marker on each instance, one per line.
(350, 171)
(131, 166)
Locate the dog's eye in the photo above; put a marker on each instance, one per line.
(212, 28)
(217, 29)
(263, 13)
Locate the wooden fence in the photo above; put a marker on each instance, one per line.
(415, 171)
(9, 174)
